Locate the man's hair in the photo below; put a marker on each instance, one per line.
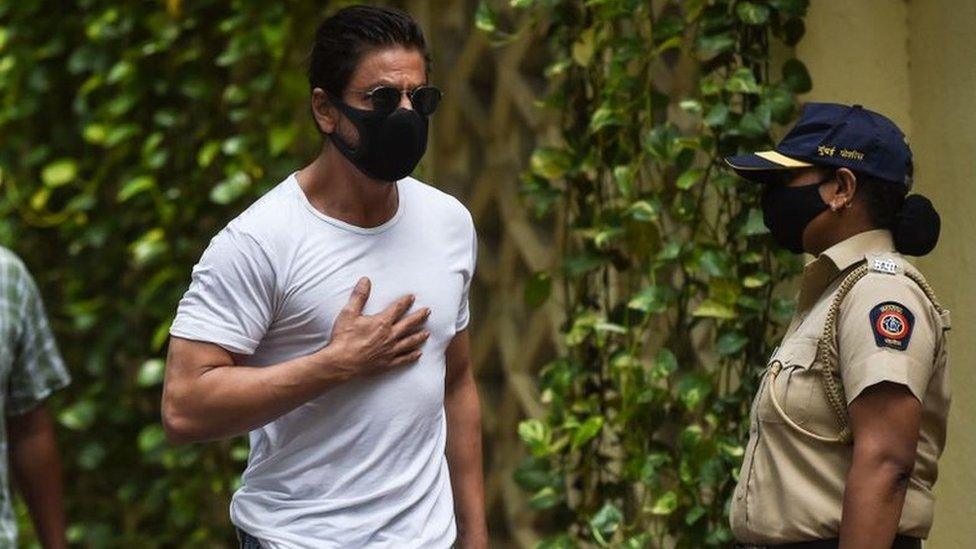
(343, 39)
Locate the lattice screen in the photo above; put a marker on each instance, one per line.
(481, 140)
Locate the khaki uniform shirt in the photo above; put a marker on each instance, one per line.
(791, 486)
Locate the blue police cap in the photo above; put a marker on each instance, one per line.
(830, 134)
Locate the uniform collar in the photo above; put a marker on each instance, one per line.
(848, 252)
(819, 273)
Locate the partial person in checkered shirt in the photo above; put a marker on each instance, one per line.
(31, 369)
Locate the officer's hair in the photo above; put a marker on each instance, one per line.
(883, 200)
(343, 39)
(912, 219)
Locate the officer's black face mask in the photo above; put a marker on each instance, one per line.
(788, 210)
(390, 144)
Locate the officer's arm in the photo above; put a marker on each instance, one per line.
(885, 422)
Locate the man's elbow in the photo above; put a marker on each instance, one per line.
(178, 426)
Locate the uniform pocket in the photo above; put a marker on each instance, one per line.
(794, 386)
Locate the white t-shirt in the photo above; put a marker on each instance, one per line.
(363, 464)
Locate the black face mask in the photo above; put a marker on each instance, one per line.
(788, 210)
(390, 145)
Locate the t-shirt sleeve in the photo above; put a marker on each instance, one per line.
(38, 369)
(888, 332)
(464, 311)
(231, 298)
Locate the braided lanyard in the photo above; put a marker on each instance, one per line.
(828, 363)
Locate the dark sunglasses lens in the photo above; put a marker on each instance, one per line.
(425, 100)
(385, 99)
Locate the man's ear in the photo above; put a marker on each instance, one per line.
(325, 114)
(843, 195)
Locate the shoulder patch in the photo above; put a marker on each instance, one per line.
(892, 324)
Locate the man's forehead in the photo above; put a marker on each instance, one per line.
(391, 67)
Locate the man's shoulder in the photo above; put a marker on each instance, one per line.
(12, 264)
(440, 202)
(270, 219)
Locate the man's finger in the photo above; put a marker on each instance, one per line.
(410, 343)
(360, 294)
(408, 358)
(396, 310)
(411, 323)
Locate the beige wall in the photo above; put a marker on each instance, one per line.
(914, 61)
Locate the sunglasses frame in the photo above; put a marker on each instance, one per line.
(370, 95)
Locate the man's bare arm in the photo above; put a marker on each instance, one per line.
(464, 459)
(207, 396)
(36, 468)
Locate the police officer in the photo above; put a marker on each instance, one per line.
(850, 418)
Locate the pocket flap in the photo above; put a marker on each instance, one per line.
(797, 352)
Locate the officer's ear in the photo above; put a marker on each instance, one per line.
(843, 193)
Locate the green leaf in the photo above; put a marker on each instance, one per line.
(694, 514)
(135, 186)
(754, 224)
(152, 438)
(715, 263)
(662, 142)
(666, 504)
(484, 17)
(692, 390)
(587, 431)
(709, 46)
(752, 13)
(605, 522)
(752, 125)
(665, 364)
(713, 309)
(731, 343)
(584, 47)
(79, 416)
(537, 289)
(604, 117)
(717, 115)
(623, 176)
(60, 172)
(207, 153)
(544, 498)
(688, 179)
(536, 435)
(651, 300)
(645, 210)
(757, 280)
(230, 189)
(579, 265)
(742, 81)
(796, 77)
(151, 373)
(550, 163)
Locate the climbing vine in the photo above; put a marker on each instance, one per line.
(667, 279)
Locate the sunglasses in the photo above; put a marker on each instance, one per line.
(386, 99)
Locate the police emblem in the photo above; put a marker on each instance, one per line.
(892, 324)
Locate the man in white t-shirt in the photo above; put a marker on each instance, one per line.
(329, 321)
